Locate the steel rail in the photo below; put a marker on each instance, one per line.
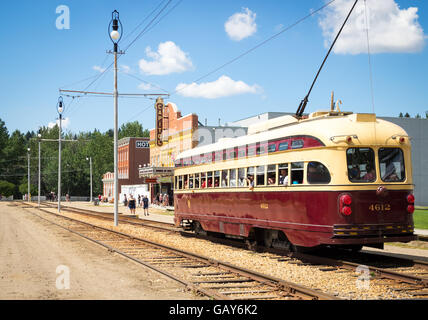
(276, 284)
(381, 272)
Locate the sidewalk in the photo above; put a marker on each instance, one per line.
(156, 213)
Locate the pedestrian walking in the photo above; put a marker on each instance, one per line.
(131, 204)
(146, 205)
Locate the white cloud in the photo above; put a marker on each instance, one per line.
(125, 69)
(222, 87)
(391, 29)
(241, 25)
(64, 123)
(146, 86)
(168, 59)
(99, 69)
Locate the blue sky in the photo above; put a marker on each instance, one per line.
(197, 37)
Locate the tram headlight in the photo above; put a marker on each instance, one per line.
(411, 198)
(410, 208)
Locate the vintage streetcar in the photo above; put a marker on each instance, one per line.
(332, 178)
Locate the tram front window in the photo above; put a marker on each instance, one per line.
(361, 164)
(391, 162)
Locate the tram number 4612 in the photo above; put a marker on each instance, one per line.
(380, 207)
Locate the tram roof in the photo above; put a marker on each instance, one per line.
(332, 128)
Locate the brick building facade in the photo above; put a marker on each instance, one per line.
(132, 154)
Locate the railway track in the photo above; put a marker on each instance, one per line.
(212, 278)
(413, 273)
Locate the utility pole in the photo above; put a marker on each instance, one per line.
(28, 175)
(115, 37)
(60, 111)
(90, 175)
(39, 136)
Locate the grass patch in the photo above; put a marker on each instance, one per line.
(420, 218)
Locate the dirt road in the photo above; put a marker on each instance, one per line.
(40, 261)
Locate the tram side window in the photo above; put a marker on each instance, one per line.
(391, 162)
(297, 173)
(250, 177)
(241, 177)
(224, 181)
(233, 178)
(297, 144)
(197, 180)
(180, 182)
(203, 180)
(271, 174)
(283, 146)
(283, 174)
(210, 179)
(217, 179)
(186, 182)
(318, 173)
(272, 148)
(190, 181)
(260, 176)
(361, 164)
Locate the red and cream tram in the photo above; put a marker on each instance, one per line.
(333, 178)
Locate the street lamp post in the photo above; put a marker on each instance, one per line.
(39, 136)
(90, 174)
(115, 37)
(60, 109)
(28, 175)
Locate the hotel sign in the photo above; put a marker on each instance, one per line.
(142, 144)
(159, 106)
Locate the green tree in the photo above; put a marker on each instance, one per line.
(407, 115)
(23, 188)
(6, 188)
(401, 115)
(133, 129)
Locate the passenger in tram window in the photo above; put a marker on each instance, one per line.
(283, 177)
(204, 184)
(250, 179)
(210, 182)
(216, 183)
(355, 173)
(271, 174)
(241, 177)
(371, 173)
